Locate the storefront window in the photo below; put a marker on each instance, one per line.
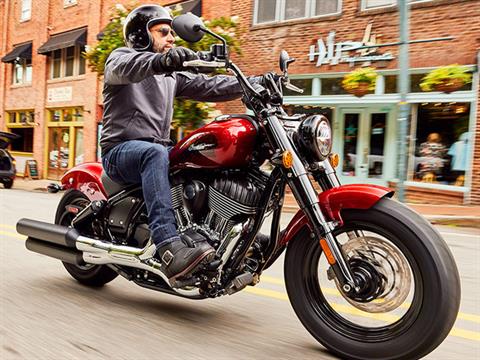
(304, 84)
(333, 86)
(21, 123)
(390, 84)
(443, 143)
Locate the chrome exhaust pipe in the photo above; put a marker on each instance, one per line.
(56, 241)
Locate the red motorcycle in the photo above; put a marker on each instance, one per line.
(385, 262)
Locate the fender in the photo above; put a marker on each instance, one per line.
(86, 178)
(333, 201)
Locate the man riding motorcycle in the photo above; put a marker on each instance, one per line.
(140, 84)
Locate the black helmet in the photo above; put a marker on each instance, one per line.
(136, 31)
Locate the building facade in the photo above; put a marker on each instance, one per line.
(50, 97)
(323, 36)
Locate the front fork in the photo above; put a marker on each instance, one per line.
(304, 192)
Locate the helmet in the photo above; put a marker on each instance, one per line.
(136, 31)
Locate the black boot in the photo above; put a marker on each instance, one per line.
(178, 259)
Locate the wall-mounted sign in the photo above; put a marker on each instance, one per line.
(334, 53)
(60, 94)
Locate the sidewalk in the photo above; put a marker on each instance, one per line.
(437, 214)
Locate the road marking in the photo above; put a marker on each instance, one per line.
(461, 234)
(335, 292)
(461, 333)
(12, 234)
(273, 280)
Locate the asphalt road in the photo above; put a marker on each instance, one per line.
(45, 314)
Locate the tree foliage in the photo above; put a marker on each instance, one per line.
(187, 113)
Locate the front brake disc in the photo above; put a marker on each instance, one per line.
(390, 263)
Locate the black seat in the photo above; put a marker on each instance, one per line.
(111, 187)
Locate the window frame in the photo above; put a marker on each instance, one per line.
(25, 10)
(280, 9)
(63, 63)
(16, 123)
(24, 63)
(411, 2)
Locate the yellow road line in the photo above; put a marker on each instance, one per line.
(461, 333)
(12, 234)
(335, 292)
(331, 291)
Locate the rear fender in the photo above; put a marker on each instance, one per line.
(86, 178)
(333, 201)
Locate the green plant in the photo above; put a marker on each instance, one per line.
(451, 75)
(360, 77)
(187, 113)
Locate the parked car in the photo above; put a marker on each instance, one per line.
(7, 162)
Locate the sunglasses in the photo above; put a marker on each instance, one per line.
(165, 31)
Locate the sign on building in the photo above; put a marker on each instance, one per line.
(59, 94)
(334, 53)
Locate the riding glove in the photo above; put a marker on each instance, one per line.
(173, 59)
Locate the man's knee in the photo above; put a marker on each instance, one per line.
(156, 153)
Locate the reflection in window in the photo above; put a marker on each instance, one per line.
(304, 84)
(350, 138)
(294, 9)
(443, 143)
(333, 86)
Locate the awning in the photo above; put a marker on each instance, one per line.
(64, 40)
(23, 51)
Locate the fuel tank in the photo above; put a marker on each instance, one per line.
(227, 142)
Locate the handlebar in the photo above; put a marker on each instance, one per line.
(204, 64)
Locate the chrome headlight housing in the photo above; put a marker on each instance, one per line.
(315, 138)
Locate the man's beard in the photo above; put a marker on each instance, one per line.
(158, 48)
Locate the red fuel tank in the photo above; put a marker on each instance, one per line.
(227, 142)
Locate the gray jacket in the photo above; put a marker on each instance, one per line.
(138, 98)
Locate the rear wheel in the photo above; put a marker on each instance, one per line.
(410, 286)
(8, 184)
(88, 274)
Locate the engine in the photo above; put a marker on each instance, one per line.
(215, 208)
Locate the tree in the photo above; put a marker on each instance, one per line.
(188, 114)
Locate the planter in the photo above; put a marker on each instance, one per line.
(449, 85)
(360, 90)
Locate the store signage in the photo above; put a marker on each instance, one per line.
(60, 94)
(334, 53)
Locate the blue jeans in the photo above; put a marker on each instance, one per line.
(135, 162)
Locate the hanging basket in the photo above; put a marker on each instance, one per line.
(360, 90)
(449, 85)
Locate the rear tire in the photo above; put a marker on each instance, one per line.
(90, 275)
(8, 184)
(431, 313)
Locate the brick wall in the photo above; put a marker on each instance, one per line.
(475, 190)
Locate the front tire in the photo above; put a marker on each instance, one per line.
(433, 307)
(89, 274)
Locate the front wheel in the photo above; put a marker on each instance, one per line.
(410, 285)
(88, 274)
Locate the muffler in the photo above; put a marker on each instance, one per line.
(58, 252)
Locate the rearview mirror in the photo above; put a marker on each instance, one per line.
(188, 27)
(285, 59)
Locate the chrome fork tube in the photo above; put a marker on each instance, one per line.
(308, 200)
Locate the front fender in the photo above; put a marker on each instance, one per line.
(86, 178)
(333, 201)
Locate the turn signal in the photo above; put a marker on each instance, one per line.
(287, 159)
(334, 159)
(326, 250)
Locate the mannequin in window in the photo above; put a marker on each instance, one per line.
(432, 152)
(459, 153)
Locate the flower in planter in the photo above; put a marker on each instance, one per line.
(446, 78)
(361, 81)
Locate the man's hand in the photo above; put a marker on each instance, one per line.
(174, 58)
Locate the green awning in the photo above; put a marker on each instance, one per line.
(64, 40)
(22, 51)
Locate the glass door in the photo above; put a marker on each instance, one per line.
(362, 146)
(58, 151)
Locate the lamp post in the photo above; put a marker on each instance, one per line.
(403, 90)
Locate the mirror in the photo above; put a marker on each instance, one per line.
(188, 27)
(284, 57)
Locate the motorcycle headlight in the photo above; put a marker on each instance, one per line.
(315, 137)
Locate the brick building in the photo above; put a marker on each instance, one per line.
(50, 97)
